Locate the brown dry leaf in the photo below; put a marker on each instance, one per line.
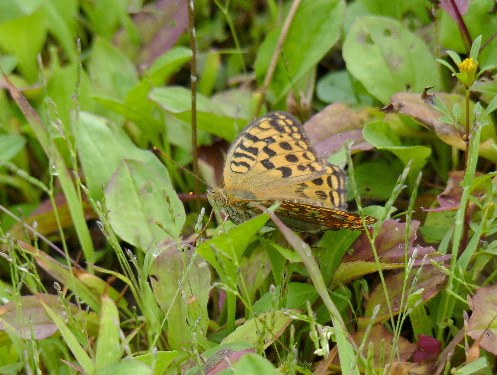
(409, 368)
(329, 129)
(482, 325)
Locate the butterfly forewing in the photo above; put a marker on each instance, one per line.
(272, 149)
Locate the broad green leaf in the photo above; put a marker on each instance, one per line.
(377, 188)
(261, 330)
(143, 207)
(210, 117)
(225, 251)
(63, 17)
(349, 271)
(159, 361)
(297, 295)
(137, 107)
(387, 58)
(168, 64)
(112, 73)
(380, 135)
(102, 147)
(109, 350)
(181, 287)
(10, 146)
(336, 87)
(314, 30)
(62, 85)
(105, 16)
(335, 245)
(24, 38)
(398, 9)
(253, 364)
(10, 10)
(128, 366)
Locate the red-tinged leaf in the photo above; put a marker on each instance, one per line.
(47, 221)
(428, 279)
(450, 198)
(482, 325)
(380, 341)
(225, 359)
(336, 124)
(28, 319)
(424, 111)
(428, 349)
(160, 25)
(455, 8)
(390, 243)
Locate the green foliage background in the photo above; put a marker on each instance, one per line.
(105, 270)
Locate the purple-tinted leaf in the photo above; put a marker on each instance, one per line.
(482, 325)
(225, 359)
(450, 198)
(331, 128)
(390, 243)
(453, 7)
(428, 279)
(160, 25)
(28, 319)
(428, 349)
(421, 108)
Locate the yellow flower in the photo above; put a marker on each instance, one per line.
(468, 66)
(467, 71)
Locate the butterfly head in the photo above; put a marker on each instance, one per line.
(217, 198)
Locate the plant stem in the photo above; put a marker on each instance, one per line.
(194, 79)
(276, 55)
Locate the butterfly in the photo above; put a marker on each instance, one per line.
(272, 161)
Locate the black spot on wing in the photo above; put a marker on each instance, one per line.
(291, 158)
(267, 164)
(286, 146)
(301, 167)
(285, 171)
(269, 152)
(318, 181)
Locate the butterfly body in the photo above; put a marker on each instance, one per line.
(272, 161)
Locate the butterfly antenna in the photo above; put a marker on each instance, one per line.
(162, 154)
